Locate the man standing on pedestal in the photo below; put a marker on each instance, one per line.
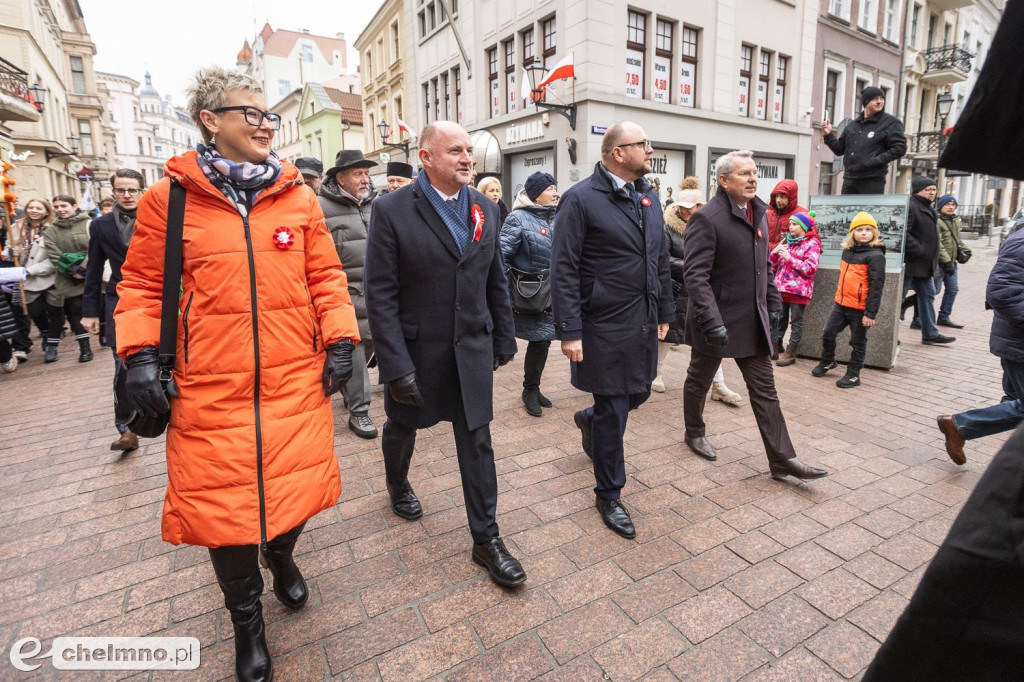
(868, 145)
(442, 323)
(612, 301)
(733, 309)
(346, 198)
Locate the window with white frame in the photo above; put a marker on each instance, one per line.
(892, 21)
(636, 47)
(688, 67)
(868, 19)
(839, 9)
(511, 96)
(395, 43)
(495, 86)
(832, 94)
(779, 107)
(764, 62)
(746, 63)
(662, 73)
(307, 53)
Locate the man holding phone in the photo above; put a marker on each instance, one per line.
(869, 144)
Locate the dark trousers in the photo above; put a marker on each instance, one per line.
(45, 316)
(864, 185)
(476, 466)
(533, 366)
(1003, 416)
(21, 340)
(607, 418)
(838, 320)
(5, 350)
(764, 400)
(73, 313)
(792, 316)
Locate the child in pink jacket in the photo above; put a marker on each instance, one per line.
(795, 260)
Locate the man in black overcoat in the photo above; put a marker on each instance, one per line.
(438, 307)
(612, 301)
(921, 257)
(731, 288)
(109, 236)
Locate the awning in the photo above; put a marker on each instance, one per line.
(486, 152)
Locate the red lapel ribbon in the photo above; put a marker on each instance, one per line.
(478, 221)
(645, 201)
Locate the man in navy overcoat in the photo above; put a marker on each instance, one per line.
(438, 308)
(612, 301)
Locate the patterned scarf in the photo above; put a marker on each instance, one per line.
(237, 180)
(125, 221)
(454, 215)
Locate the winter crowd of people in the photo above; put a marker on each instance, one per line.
(240, 292)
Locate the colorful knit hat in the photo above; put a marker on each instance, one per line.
(861, 219)
(805, 220)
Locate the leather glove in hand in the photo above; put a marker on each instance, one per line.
(501, 361)
(143, 383)
(406, 390)
(774, 320)
(948, 268)
(717, 336)
(337, 365)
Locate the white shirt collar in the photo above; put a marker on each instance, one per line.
(619, 182)
(446, 197)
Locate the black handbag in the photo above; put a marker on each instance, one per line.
(151, 427)
(963, 254)
(530, 291)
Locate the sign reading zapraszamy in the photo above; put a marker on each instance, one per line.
(836, 212)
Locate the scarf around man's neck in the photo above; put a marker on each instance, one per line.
(125, 221)
(240, 182)
(454, 214)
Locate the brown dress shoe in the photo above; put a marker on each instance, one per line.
(954, 440)
(795, 468)
(702, 448)
(126, 443)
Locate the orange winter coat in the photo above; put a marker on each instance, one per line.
(250, 446)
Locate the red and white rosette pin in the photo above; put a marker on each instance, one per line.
(645, 201)
(478, 221)
(284, 238)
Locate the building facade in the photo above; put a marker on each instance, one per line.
(288, 140)
(701, 78)
(330, 120)
(859, 43)
(386, 62)
(47, 42)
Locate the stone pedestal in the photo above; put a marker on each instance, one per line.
(883, 337)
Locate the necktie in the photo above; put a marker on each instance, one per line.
(461, 233)
(634, 196)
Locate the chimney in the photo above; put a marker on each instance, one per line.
(341, 36)
(306, 31)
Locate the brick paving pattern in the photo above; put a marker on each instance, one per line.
(732, 576)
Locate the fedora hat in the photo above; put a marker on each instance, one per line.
(349, 158)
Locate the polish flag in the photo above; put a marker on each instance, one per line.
(403, 126)
(563, 69)
(524, 89)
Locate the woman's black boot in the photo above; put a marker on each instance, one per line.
(289, 585)
(238, 574)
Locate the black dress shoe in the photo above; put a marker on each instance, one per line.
(503, 568)
(584, 426)
(949, 323)
(616, 517)
(938, 339)
(702, 447)
(795, 468)
(531, 400)
(404, 501)
(543, 400)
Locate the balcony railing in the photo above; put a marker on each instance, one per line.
(14, 81)
(925, 143)
(948, 58)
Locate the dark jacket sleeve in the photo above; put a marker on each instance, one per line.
(896, 145)
(1004, 292)
(836, 143)
(666, 302)
(567, 246)
(381, 279)
(876, 282)
(701, 239)
(94, 274)
(504, 335)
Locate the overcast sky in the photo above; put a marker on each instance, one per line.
(171, 40)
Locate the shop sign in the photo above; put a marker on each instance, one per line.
(514, 134)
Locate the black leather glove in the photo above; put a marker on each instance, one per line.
(774, 321)
(948, 268)
(143, 383)
(406, 390)
(717, 336)
(501, 361)
(338, 365)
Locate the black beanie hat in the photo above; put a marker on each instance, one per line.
(537, 183)
(869, 93)
(920, 182)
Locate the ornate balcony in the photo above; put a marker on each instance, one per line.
(924, 145)
(946, 65)
(16, 102)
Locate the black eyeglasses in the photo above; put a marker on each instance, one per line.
(643, 144)
(121, 191)
(254, 116)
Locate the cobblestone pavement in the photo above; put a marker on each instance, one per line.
(732, 575)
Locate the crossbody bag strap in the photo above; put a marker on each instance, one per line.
(172, 276)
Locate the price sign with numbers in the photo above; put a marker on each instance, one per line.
(660, 92)
(634, 73)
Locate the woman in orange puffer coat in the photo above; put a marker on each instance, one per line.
(250, 453)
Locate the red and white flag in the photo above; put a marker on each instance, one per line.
(563, 69)
(403, 126)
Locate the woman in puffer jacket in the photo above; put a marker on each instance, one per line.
(266, 331)
(526, 246)
(795, 260)
(676, 214)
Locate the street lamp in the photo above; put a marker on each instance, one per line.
(39, 95)
(73, 141)
(384, 129)
(943, 105)
(534, 71)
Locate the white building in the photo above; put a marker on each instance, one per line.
(701, 78)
